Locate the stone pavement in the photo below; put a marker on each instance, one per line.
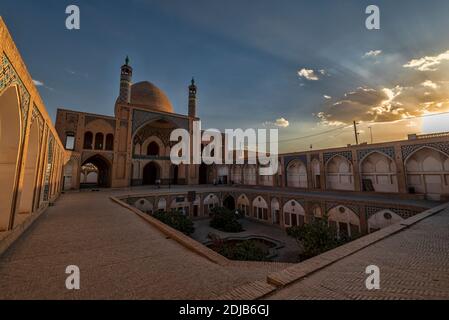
(414, 264)
(120, 256)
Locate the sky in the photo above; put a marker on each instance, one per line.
(307, 68)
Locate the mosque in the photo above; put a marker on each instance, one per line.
(133, 147)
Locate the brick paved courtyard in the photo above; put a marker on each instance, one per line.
(120, 257)
(123, 257)
(414, 264)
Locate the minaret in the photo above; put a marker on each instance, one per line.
(192, 99)
(125, 82)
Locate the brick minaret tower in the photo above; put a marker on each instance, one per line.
(125, 82)
(192, 99)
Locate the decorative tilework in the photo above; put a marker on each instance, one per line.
(300, 157)
(140, 117)
(49, 167)
(145, 157)
(403, 213)
(388, 151)
(36, 115)
(148, 131)
(8, 77)
(409, 149)
(344, 154)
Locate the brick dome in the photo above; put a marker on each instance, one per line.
(147, 95)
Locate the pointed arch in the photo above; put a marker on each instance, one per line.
(88, 140)
(96, 172)
(382, 219)
(344, 221)
(378, 172)
(426, 172)
(243, 204)
(229, 202)
(210, 202)
(294, 214)
(260, 208)
(153, 146)
(297, 174)
(10, 141)
(99, 141)
(27, 194)
(339, 174)
(151, 173)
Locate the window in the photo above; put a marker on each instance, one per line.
(110, 142)
(294, 220)
(195, 210)
(153, 149)
(244, 209)
(88, 140)
(287, 219)
(99, 137)
(70, 141)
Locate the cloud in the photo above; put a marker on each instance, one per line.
(75, 73)
(387, 104)
(38, 83)
(309, 74)
(429, 84)
(427, 63)
(281, 123)
(372, 53)
(327, 97)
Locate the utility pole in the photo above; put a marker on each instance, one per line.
(356, 133)
(371, 133)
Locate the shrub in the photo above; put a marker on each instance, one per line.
(225, 220)
(315, 238)
(177, 220)
(247, 250)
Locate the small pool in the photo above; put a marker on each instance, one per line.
(263, 245)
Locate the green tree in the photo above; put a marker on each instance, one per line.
(315, 238)
(177, 220)
(225, 220)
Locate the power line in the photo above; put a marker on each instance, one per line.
(365, 123)
(313, 135)
(350, 126)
